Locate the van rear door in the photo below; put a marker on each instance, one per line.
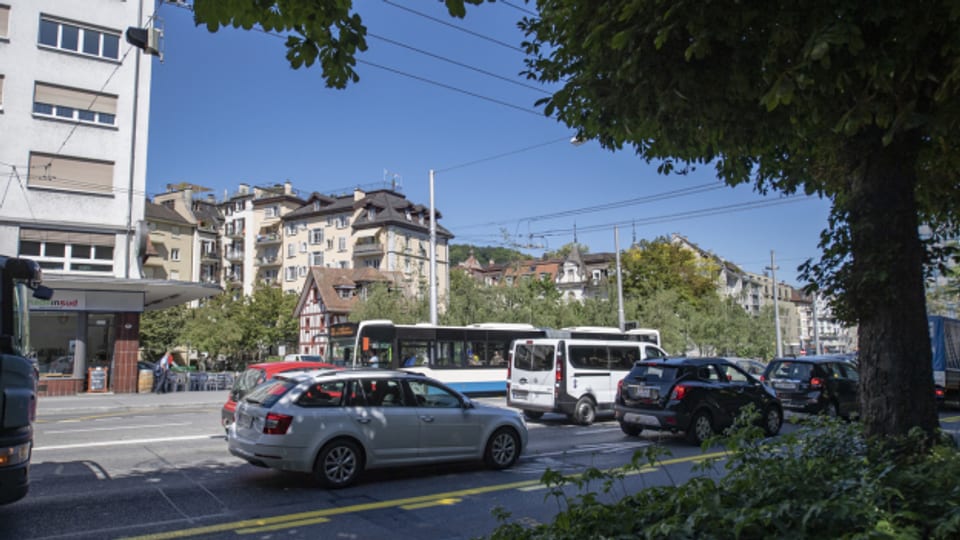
(532, 375)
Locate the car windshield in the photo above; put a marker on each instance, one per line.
(654, 373)
(268, 393)
(247, 380)
(791, 370)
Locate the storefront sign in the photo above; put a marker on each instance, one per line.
(103, 301)
(63, 300)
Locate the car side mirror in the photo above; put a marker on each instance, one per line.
(466, 403)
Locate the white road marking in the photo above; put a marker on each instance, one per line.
(139, 426)
(127, 443)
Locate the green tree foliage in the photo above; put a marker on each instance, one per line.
(162, 330)
(564, 251)
(485, 254)
(384, 302)
(469, 301)
(215, 326)
(855, 101)
(267, 320)
(660, 264)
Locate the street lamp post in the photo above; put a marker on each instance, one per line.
(616, 247)
(776, 305)
(433, 257)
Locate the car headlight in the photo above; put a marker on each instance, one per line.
(15, 455)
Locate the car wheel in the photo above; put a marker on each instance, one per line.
(503, 449)
(339, 464)
(772, 421)
(585, 412)
(832, 410)
(701, 427)
(533, 415)
(630, 429)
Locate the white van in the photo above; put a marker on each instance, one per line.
(576, 377)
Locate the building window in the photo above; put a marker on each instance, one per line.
(79, 39)
(316, 236)
(291, 228)
(316, 258)
(343, 222)
(271, 211)
(175, 254)
(301, 271)
(316, 206)
(291, 250)
(69, 173)
(4, 21)
(344, 264)
(290, 273)
(68, 251)
(342, 243)
(329, 243)
(175, 231)
(372, 214)
(74, 104)
(407, 214)
(303, 247)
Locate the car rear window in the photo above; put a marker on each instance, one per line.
(653, 373)
(247, 380)
(791, 370)
(533, 357)
(268, 393)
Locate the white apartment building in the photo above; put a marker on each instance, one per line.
(74, 111)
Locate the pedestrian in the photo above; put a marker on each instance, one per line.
(162, 372)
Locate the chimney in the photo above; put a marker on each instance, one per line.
(244, 189)
(287, 188)
(211, 198)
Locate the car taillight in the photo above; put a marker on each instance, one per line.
(619, 388)
(678, 392)
(816, 382)
(939, 393)
(277, 424)
(557, 376)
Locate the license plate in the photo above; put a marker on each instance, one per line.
(647, 392)
(642, 419)
(785, 386)
(519, 394)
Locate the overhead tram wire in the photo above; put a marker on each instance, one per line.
(429, 81)
(460, 64)
(455, 27)
(656, 197)
(518, 8)
(679, 216)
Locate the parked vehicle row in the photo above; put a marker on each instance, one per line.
(334, 423)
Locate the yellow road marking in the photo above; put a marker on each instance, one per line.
(438, 502)
(279, 526)
(304, 518)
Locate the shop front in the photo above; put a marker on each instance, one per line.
(87, 337)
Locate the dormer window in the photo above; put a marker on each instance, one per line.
(316, 206)
(408, 215)
(371, 213)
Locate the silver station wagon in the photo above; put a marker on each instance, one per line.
(335, 424)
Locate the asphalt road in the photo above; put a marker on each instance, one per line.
(148, 472)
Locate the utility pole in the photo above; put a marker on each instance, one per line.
(433, 256)
(776, 306)
(616, 247)
(816, 327)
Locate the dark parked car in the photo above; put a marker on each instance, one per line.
(815, 384)
(699, 396)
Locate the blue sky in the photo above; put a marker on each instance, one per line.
(227, 108)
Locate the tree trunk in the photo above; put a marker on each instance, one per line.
(896, 375)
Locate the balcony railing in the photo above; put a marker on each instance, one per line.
(235, 233)
(234, 254)
(272, 238)
(233, 277)
(268, 261)
(211, 255)
(368, 249)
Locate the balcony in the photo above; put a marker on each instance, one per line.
(233, 277)
(212, 255)
(367, 250)
(234, 233)
(272, 260)
(266, 239)
(234, 255)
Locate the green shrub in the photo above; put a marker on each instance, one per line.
(822, 481)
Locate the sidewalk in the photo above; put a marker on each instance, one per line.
(110, 402)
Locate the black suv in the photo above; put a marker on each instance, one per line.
(699, 396)
(815, 384)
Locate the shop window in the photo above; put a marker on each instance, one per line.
(54, 336)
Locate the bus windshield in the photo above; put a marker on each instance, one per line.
(20, 341)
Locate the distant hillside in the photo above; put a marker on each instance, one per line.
(485, 254)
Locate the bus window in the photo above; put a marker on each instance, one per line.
(477, 354)
(413, 353)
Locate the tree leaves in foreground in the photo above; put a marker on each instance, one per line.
(822, 481)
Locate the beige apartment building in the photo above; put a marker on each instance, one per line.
(271, 236)
(173, 243)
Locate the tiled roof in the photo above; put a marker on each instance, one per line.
(329, 280)
(159, 212)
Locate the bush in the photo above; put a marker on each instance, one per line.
(823, 481)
